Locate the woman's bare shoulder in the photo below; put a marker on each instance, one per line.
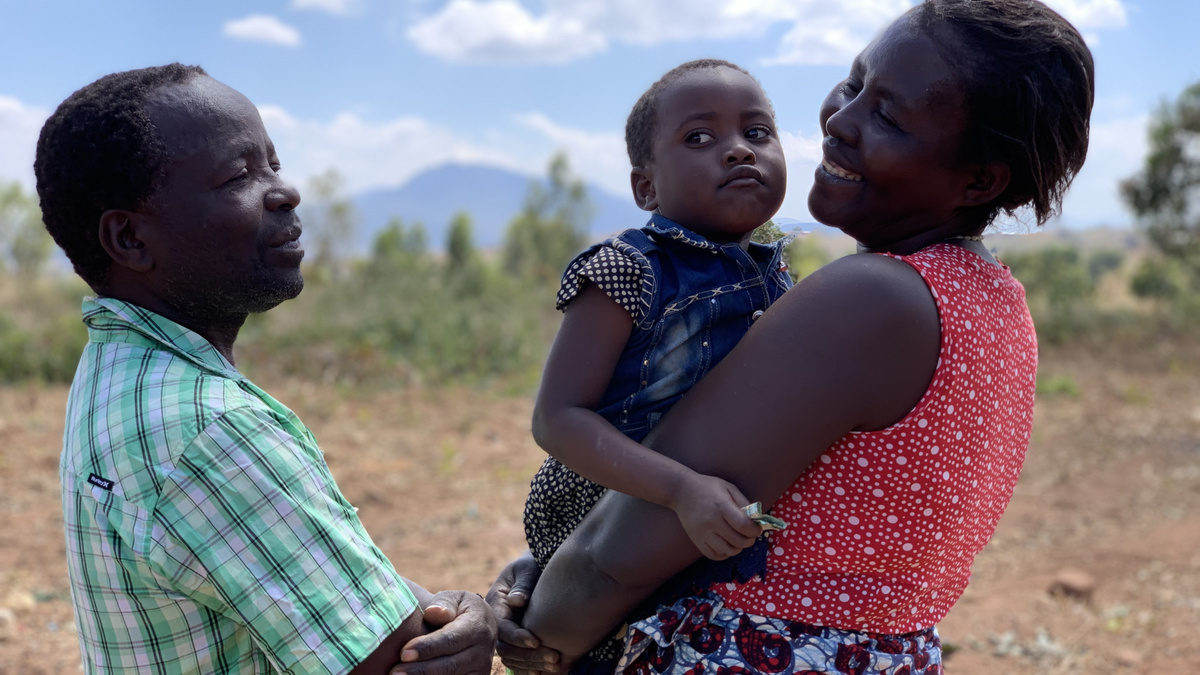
(861, 291)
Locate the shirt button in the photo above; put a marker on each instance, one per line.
(756, 314)
(704, 344)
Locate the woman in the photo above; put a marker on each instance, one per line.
(883, 406)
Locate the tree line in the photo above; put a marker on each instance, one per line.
(408, 312)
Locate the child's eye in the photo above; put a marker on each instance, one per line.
(698, 137)
(758, 133)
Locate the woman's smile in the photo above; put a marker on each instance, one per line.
(838, 171)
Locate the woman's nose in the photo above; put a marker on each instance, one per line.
(840, 124)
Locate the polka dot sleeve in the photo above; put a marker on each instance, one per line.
(618, 276)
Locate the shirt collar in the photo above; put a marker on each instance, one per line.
(112, 320)
(661, 225)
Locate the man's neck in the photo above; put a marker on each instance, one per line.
(221, 331)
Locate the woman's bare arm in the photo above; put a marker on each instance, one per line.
(852, 347)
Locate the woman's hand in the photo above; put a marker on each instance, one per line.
(710, 510)
(519, 649)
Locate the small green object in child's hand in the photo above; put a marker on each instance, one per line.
(768, 523)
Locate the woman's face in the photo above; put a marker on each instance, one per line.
(891, 138)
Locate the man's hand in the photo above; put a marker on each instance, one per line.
(461, 643)
(519, 649)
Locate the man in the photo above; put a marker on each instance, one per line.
(204, 531)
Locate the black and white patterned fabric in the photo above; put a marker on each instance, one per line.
(619, 277)
(560, 498)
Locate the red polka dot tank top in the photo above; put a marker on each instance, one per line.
(884, 525)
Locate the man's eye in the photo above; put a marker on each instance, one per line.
(850, 88)
(241, 175)
(698, 137)
(757, 133)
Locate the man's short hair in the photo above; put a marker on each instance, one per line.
(99, 151)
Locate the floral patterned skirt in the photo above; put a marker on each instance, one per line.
(700, 635)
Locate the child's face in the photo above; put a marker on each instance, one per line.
(718, 166)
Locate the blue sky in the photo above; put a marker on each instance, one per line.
(384, 89)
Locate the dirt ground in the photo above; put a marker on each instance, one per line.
(1111, 490)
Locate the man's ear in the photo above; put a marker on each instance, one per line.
(120, 236)
(987, 182)
(644, 195)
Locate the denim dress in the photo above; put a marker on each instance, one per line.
(691, 301)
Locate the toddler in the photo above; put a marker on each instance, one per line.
(652, 310)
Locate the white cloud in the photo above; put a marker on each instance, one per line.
(652, 22)
(262, 28)
(599, 158)
(330, 6)
(20, 125)
(369, 154)
(1117, 150)
(822, 31)
(503, 31)
(1089, 15)
(802, 153)
(825, 32)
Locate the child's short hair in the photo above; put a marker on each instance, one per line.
(99, 151)
(1029, 83)
(640, 127)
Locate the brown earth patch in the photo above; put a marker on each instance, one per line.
(1111, 488)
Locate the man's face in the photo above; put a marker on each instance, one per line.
(225, 235)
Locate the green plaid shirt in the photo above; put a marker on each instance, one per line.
(204, 531)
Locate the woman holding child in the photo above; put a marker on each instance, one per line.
(882, 407)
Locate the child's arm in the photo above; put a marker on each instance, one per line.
(593, 334)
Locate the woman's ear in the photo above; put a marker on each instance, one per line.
(120, 238)
(644, 195)
(988, 181)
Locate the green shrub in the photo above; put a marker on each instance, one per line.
(404, 316)
(48, 352)
(1059, 287)
(1056, 385)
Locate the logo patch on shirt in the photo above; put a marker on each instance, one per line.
(100, 482)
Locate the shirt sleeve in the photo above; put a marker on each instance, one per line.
(251, 525)
(613, 272)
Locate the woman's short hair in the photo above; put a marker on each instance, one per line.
(641, 125)
(1029, 84)
(99, 151)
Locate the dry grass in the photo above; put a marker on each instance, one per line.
(1111, 487)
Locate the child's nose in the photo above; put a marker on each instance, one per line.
(740, 153)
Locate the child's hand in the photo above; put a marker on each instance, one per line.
(711, 512)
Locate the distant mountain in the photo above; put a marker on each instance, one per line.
(491, 195)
